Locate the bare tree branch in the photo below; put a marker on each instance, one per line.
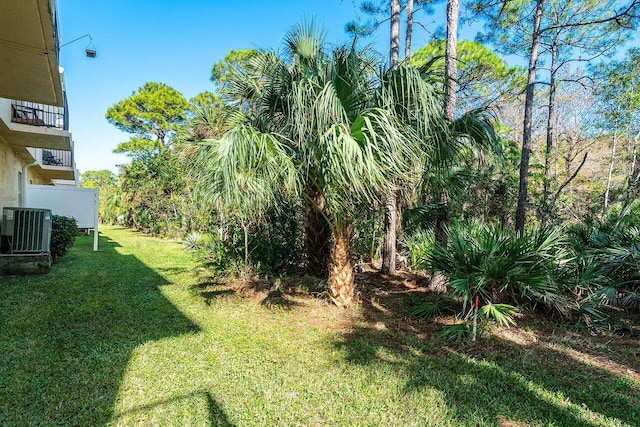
(554, 199)
(628, 12)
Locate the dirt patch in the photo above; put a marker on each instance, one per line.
(382, 309)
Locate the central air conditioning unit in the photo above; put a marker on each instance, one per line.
(25, 230)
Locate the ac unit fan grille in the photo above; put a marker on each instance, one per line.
(26, 230)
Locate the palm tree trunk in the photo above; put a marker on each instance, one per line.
(317, 234)
(442, 219)
(342, 283)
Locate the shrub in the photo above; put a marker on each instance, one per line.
(456, 333)
(194, 241)
(213, 253)
(63, 235)
(489, 263)
(417, 245)
(613, 255)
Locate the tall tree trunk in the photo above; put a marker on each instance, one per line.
(394, 36)
(451, 66)
(450, 86)
(389, 242)
(409, 32)
(317, 234)
(528, 116)
(442, 218)
(546, 192)
(341, 280)
(632, 180)
(245, 229)
(611, 162)
(390, 216)
(632, 171)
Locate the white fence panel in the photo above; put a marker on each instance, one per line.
(79, 203)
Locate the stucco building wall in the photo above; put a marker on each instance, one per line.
(11, 168)
(10, 175)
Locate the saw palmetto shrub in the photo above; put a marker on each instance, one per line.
(504, 271)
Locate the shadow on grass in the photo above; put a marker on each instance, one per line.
(211, 288)
(278, 300)
(495, 381)
(66, 338)
(215, 414)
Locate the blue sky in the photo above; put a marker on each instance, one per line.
(173, 42)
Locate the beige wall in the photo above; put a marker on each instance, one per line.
(34, 178)
(10, 167)
(10, 174)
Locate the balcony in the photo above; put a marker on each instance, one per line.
(29, 51)
(54, 164)
(40, 115)
(28, 124)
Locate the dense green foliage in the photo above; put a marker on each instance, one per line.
(274, 247)
(111, 209)
(612, 250)
(296, 150)
(489, 262)
(154, 198)
(63, 235)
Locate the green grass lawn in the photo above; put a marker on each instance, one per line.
(128, 335)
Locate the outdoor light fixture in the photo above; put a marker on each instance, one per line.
(90, 50)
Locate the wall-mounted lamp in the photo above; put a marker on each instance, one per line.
(90, 50)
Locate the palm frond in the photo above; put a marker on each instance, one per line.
(247, 171)
(456, 333)
(304, 43)
(500, 313)
(426, 310)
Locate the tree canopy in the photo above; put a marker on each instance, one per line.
(483, 77)
(98, 179)
(153, 115)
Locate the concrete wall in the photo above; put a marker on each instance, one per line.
(34, 178)
(10, 170)
(24, 264)
(11, 173)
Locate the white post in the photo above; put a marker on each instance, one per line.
(96, 205)
(475, 318)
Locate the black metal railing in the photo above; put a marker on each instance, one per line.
(57, 158)
(30, 113)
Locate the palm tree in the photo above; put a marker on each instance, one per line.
(444, 146)
(330, 119)
(450, 169)
(243, 174)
